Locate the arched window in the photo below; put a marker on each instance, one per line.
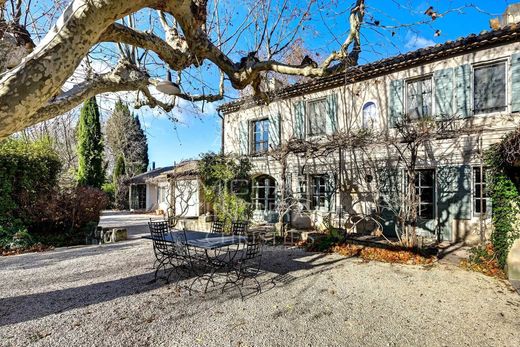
(369, 114)
(264, 193)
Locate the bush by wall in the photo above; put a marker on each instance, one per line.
(504, 192)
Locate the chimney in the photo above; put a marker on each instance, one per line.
(510, 16)
(153, 165)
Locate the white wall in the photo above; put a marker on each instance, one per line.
(187, 203)
(464, 147)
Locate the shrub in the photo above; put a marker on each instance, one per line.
(504, 192)
(110, 190)
(67, 217)
(121, 194)
(28, 171)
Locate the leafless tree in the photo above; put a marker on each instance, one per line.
(181, 34)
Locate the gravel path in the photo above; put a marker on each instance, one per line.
(105, 296)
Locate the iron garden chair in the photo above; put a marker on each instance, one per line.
(246, 266)
(217, 227)
(169, 250)
(239, 227)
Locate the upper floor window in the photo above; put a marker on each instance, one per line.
(419, 98)
(490, 88)
(480, 195)
(369, 114)
(425, 190)
(260, 135)
(317, 117)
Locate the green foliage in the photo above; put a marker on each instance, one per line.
(223, 179)
(28, 171)
(32, 207)
(119, 169)
(90, 146)
(506, 204)
(121, 194)
(110, 190)
(228, 207)
(216, 169)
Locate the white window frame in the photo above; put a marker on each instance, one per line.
(252, 139)
(489, 206)
(307, 120)
(481, 64)
(415, 79)
(434, 196)
(266, 199)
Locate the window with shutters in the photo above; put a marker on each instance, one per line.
(264, 193)
(490, 88)
(317, 117)
(321, 192)
(419, 98)
(481, 200)
(260, 138)
(369, 115)
(425, 190)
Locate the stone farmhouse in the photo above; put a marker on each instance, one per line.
(345, 149)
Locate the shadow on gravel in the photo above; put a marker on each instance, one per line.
(40, 259)
(33, 306)
(280, 268)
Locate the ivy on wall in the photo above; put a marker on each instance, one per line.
(503, 188)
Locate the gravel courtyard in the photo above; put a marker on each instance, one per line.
(106, 296)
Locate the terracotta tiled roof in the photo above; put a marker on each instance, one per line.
(185, 169)
(485, 39)
(142, 178)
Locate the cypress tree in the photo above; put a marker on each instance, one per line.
(119, 169)
(90, 146)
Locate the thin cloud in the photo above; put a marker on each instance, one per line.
(415, 41)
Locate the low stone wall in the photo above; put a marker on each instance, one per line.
(513, 262)
(201, 223)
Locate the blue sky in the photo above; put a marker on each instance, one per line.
(199, 132)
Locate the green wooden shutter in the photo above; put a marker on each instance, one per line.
(332, 113)
(243, 137)
(389, 186)
(299, 119)
(274, 130)
(515, 82)
(453, 197)
(463, 88)
(395, 102)
(443, 93)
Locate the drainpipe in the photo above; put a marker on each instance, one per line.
(221, 131)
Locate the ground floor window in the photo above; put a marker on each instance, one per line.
(481, 200)
(138, 196)
(425, 190)
(321, 191)
(264, 193)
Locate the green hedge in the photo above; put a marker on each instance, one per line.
(28, 172)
